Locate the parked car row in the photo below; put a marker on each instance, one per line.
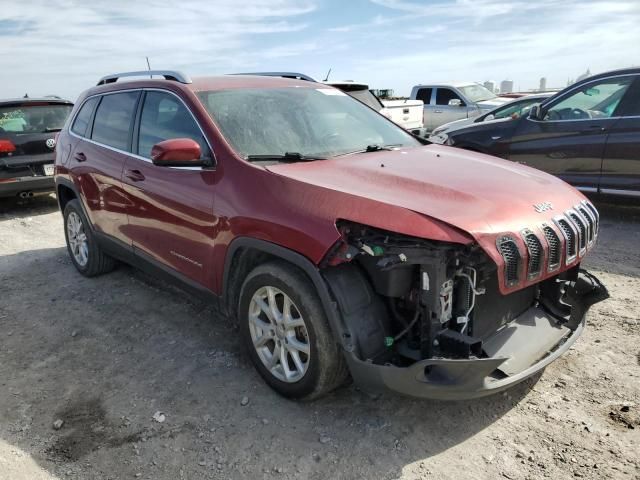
(342, 244)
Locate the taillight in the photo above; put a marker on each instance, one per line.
(7, 146)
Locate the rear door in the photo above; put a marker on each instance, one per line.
(98, 157)
(171, 211)
(621, 164)
(569, 139)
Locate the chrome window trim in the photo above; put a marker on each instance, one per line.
(567, 259)
(615, 191)
(580, 250)
(587, 189)
(131, 154)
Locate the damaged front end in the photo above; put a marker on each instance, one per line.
(428, 319)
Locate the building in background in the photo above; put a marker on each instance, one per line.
(543, 84)
(506, 86)
(491, 85)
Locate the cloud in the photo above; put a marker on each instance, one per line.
(72, 44)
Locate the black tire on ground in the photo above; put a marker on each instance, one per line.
(327, 367)
(98, 262)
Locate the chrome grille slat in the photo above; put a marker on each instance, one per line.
(511, 255)
(586, 215)
(536, 253)
(581, 229)
(570, 238)
(555, 247)
(596, 216)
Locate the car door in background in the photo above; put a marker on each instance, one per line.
(103, 143)
(171, 210)
(443, 111)
(425, 94)
(621, 163)
(568, 138)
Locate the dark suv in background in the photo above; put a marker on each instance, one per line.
(28, 128)
(588, 135)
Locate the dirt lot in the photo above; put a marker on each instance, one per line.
(104, 355)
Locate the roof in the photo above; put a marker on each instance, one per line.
(35, 100)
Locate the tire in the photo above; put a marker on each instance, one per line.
(93, 261)
(325, 366)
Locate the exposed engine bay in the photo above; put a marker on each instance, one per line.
(405, 299)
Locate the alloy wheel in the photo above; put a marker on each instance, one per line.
(77, 237)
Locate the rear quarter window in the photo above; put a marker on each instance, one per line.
(83, 117)
(113, 120)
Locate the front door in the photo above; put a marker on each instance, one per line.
(171, 209)
(445, 113)
(568, 139)
(621, 164)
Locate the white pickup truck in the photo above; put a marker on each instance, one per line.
(444, 103)
(406, 113)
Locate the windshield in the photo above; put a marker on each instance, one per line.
(477, 93)
(33, 118)
(320, 122)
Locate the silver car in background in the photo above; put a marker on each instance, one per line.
(511, 110)
(444, 103)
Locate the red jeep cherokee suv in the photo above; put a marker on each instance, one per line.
(340, 243)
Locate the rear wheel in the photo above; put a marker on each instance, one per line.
(85, 253)
(286, 333)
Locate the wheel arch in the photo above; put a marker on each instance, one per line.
(245, 253)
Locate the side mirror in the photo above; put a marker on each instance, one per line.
(177, 152)
(534, 112)
(455, 102)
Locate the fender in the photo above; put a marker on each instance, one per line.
(300, 261)
(71, 186)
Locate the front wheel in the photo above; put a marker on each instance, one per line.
(286, 333)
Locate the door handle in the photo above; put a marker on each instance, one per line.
(437, 111)
(593, 128)
(80, 157)
(134, 175)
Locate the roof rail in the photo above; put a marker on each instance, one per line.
(167, 74)
(293, 75)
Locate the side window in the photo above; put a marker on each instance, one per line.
(165, 117)
(630, 105)
(443, 95)
(424, 94)
(114, 117)
(81, 122)
(594, 100)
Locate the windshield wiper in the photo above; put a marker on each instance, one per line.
(287, 157)
(49, 129)
(371, 148)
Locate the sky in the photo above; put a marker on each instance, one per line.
(63, 47)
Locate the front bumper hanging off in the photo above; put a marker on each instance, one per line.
(514, 353)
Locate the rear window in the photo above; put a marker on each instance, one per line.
(366, 97)
(424, 94)
(114, 116)
(81, 122)
(34, 118)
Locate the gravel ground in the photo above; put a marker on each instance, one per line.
(149, 383)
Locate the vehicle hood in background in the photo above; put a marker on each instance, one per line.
(493, 103)
(477, 193)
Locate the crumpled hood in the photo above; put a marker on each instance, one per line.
(477, 193)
